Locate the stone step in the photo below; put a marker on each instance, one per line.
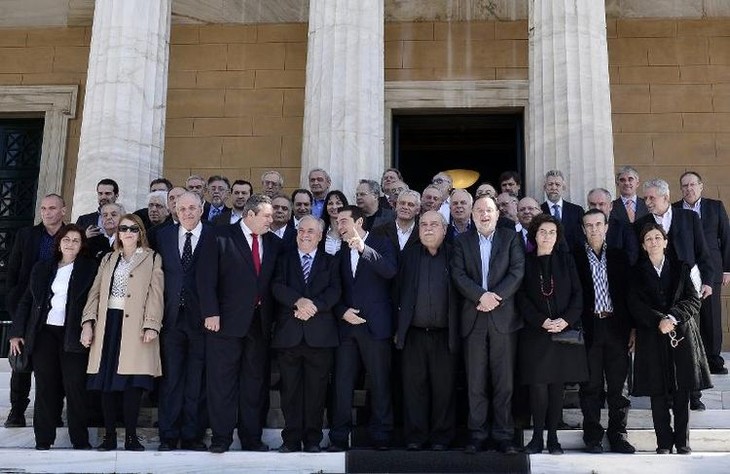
(149, 437)
(700, 440)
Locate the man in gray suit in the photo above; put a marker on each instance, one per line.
(487, 269)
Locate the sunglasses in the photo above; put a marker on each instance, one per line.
(129, 228)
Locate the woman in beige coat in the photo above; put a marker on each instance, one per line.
(120, 324)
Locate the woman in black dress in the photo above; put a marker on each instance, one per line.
(550, 301)
(48, 326)
(669, 358)
(121, 322)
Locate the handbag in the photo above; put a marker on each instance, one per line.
(569, 336)
(21, 363)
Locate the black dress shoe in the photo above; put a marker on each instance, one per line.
(109, 443)
(535, 446)
(312, 448)
(594, 448)
(167, 445)
(414, 447)
(718, 371)
(663, 451)
(555, 448)
(217, 448)
(684, 450)
(289, 448)
(131, 443)
(255, 447)
(697, 405)
(42, 447)
(336, 448)
(623, 447)
(439, 447)
(506, 447)
(193, 445)
(471, 448)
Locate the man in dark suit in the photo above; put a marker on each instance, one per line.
(628, 207)
(620, 235)
(107, 192)
(236, 304)
(716, 228)
(402, 232)
(686, 241)
(182, 338)
(240, 192)
(487, 268)
(428, 335)
(604, 272)
(306, 287)
(567, 213)
(367, 194)
(218, 189)
(30, 245)
(367, 264)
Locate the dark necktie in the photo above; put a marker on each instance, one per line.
(187, 254)
(306, 266)
(255, 252)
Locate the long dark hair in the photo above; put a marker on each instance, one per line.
(62, 232)
(325, 214)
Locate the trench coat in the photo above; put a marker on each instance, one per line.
(143, 309)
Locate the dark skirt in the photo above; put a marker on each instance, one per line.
(107, 379)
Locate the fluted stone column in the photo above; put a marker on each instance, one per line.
(123, 124)
(344, 93)
(570, 110)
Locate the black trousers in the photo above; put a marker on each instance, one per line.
(429, 374)
(183, 362)
(235, 378)
(546, 404)
(490, 361)
(56, 372)
(608, 362)
(660, 406)
(376, 357)
(711, 327)
(304, 372)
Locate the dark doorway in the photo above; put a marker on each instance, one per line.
(20, 158)
(490, 144)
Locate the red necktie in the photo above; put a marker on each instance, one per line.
(255, 252)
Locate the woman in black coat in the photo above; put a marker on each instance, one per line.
(669, 358)
(48, 326)
(550, 301)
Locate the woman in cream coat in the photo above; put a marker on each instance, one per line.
(121, 322)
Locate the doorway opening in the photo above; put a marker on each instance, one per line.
(487, 143)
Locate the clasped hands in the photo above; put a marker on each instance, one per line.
(304, 309)
(555, 325)
(488, 302)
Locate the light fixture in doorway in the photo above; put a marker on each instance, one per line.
(462, 179)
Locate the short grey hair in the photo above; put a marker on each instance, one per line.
(554, 174)
(413, 194)
(372, 184)
(659, 184)
(626, 170)
(317, 220)
(605, 191)
(161, 195)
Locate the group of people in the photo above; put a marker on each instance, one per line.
(411, 286)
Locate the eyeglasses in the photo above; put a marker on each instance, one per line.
(129, 228)
(673, 341)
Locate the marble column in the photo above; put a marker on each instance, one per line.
(569, 123)
(344, 93)
(123, 123)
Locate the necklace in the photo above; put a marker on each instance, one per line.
(547, 292)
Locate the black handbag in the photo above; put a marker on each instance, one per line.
(569, 336)
(21, 363)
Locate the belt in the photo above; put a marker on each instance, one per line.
(603, 314)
